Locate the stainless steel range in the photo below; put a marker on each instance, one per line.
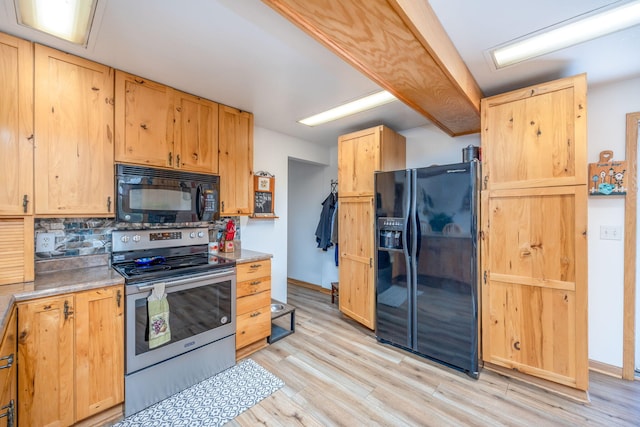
(200, 291)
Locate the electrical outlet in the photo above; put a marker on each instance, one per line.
(610, 232)
(45, 242)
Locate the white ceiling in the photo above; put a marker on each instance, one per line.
(243, 54)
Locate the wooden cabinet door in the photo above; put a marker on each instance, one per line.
(99, 343)
(196, 133)
(16, 122)
(16, 250)
(534, 226)
(8, 371)
(236, 161)
(143, 121)
(356, 274)
(45, 368)
(358, 159)
(74, 135)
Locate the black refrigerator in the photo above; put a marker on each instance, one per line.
(426, 267)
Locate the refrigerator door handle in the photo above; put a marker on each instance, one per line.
(413, 283)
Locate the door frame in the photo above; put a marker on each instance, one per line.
(630, 241)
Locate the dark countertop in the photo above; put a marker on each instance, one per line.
(56, 277)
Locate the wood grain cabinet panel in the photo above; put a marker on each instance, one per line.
(74, 135)
(360, 154)
(235, 161)
(8, 371)
(71, 352)
(143, 121)
(16, 250)
(16, 122)
(534, 228)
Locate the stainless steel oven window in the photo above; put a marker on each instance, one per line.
(202, 310)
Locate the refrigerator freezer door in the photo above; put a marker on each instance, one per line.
(445, 291)
(392, 264)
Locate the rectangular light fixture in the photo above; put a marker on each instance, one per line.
(572, 32)
(368, 102)
(66, 19)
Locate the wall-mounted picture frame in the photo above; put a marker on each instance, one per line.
(263, 196)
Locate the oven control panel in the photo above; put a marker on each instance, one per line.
(129, 240)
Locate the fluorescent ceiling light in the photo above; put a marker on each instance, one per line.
(67, 19)
(368, 102)
(567, 34)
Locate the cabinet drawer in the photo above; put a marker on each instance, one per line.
(251, 287)
(253, 303)
(253, 270)
(253, 326)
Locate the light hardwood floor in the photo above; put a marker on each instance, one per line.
(336, 374)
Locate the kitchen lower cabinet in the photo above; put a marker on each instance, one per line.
(356, 273)
(8, 373)
(71, 356)
(253, 306)
(73, 135)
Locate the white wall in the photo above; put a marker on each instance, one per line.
(309, 186)
(607, 109)
(272, 151)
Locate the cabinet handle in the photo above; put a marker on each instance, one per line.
(256, 314)
(178, 160)
(516, 345)
(9, 360)
(170, 158)
(108, 204)
(9, 413)
(257, 282)
(222, 210)
(25, 202)
(68, 311)
(256, 265)
(118, 297)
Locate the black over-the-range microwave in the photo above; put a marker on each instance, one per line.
(151, 195)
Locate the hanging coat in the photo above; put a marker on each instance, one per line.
(323, 231)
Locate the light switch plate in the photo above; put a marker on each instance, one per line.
(610, 232)
(45, 242)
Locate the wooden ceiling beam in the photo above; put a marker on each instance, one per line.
(400, 45)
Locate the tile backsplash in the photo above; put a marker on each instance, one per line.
(91, 236)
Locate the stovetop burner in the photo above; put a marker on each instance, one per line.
(152, 255)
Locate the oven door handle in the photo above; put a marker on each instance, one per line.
(187, 280)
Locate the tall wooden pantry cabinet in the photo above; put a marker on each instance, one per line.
(360, 154)
(534, 231)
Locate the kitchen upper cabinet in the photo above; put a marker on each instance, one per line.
(144, 122)
(362, 153)
(236, 161)
(16, 122)
(162, 127)
(73, 135)
(71, 353)
(196, 133)
(8, 372)
(16, 250)
(534, 232)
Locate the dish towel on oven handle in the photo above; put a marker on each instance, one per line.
(158, 308)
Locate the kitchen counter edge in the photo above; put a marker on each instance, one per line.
(245, 255)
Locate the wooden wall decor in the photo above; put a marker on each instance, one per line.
(607, 177)
(264, 201)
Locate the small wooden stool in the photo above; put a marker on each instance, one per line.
(334, 291)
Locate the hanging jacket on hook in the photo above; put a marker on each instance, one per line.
(323, 231)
